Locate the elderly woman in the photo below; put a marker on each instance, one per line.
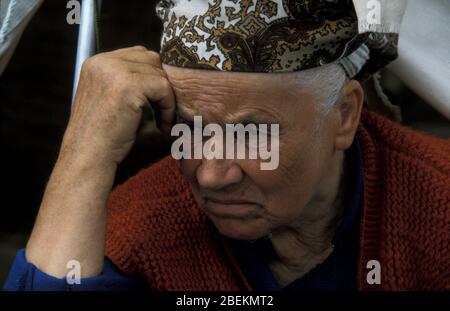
(355, 203)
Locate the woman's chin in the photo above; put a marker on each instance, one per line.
(240, 229)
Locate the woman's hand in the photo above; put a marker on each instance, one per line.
(113, 89)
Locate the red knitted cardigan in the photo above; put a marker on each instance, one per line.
(157, 232)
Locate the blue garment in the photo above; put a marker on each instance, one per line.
(338, 272)
(25, 276)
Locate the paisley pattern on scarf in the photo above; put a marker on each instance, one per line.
(259, 35)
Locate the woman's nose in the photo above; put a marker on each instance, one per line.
(217, 174)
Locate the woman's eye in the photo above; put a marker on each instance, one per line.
(251, 138)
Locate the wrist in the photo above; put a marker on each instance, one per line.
(86, 161)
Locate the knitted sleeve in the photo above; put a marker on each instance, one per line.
(134, 216)
(407, 214)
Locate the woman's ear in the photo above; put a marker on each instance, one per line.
(349, 113)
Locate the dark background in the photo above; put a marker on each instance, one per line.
(35, 96)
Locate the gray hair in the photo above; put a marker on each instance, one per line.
(327, 81)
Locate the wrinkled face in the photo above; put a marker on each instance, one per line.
(243, 201)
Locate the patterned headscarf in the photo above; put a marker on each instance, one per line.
(273, 35)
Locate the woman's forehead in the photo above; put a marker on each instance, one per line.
(241, 85)
(234, 97)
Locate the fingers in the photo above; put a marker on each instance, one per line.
(145, 71)
(132, 48)
(160, 94)
(143, 68)
(145, 64)
(138, 54)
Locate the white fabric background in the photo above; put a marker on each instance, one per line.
(22, 14)
(390, 18)
(424, 61)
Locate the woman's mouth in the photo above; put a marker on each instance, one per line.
(230, 208)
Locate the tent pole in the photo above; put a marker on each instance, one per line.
(87, 41)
